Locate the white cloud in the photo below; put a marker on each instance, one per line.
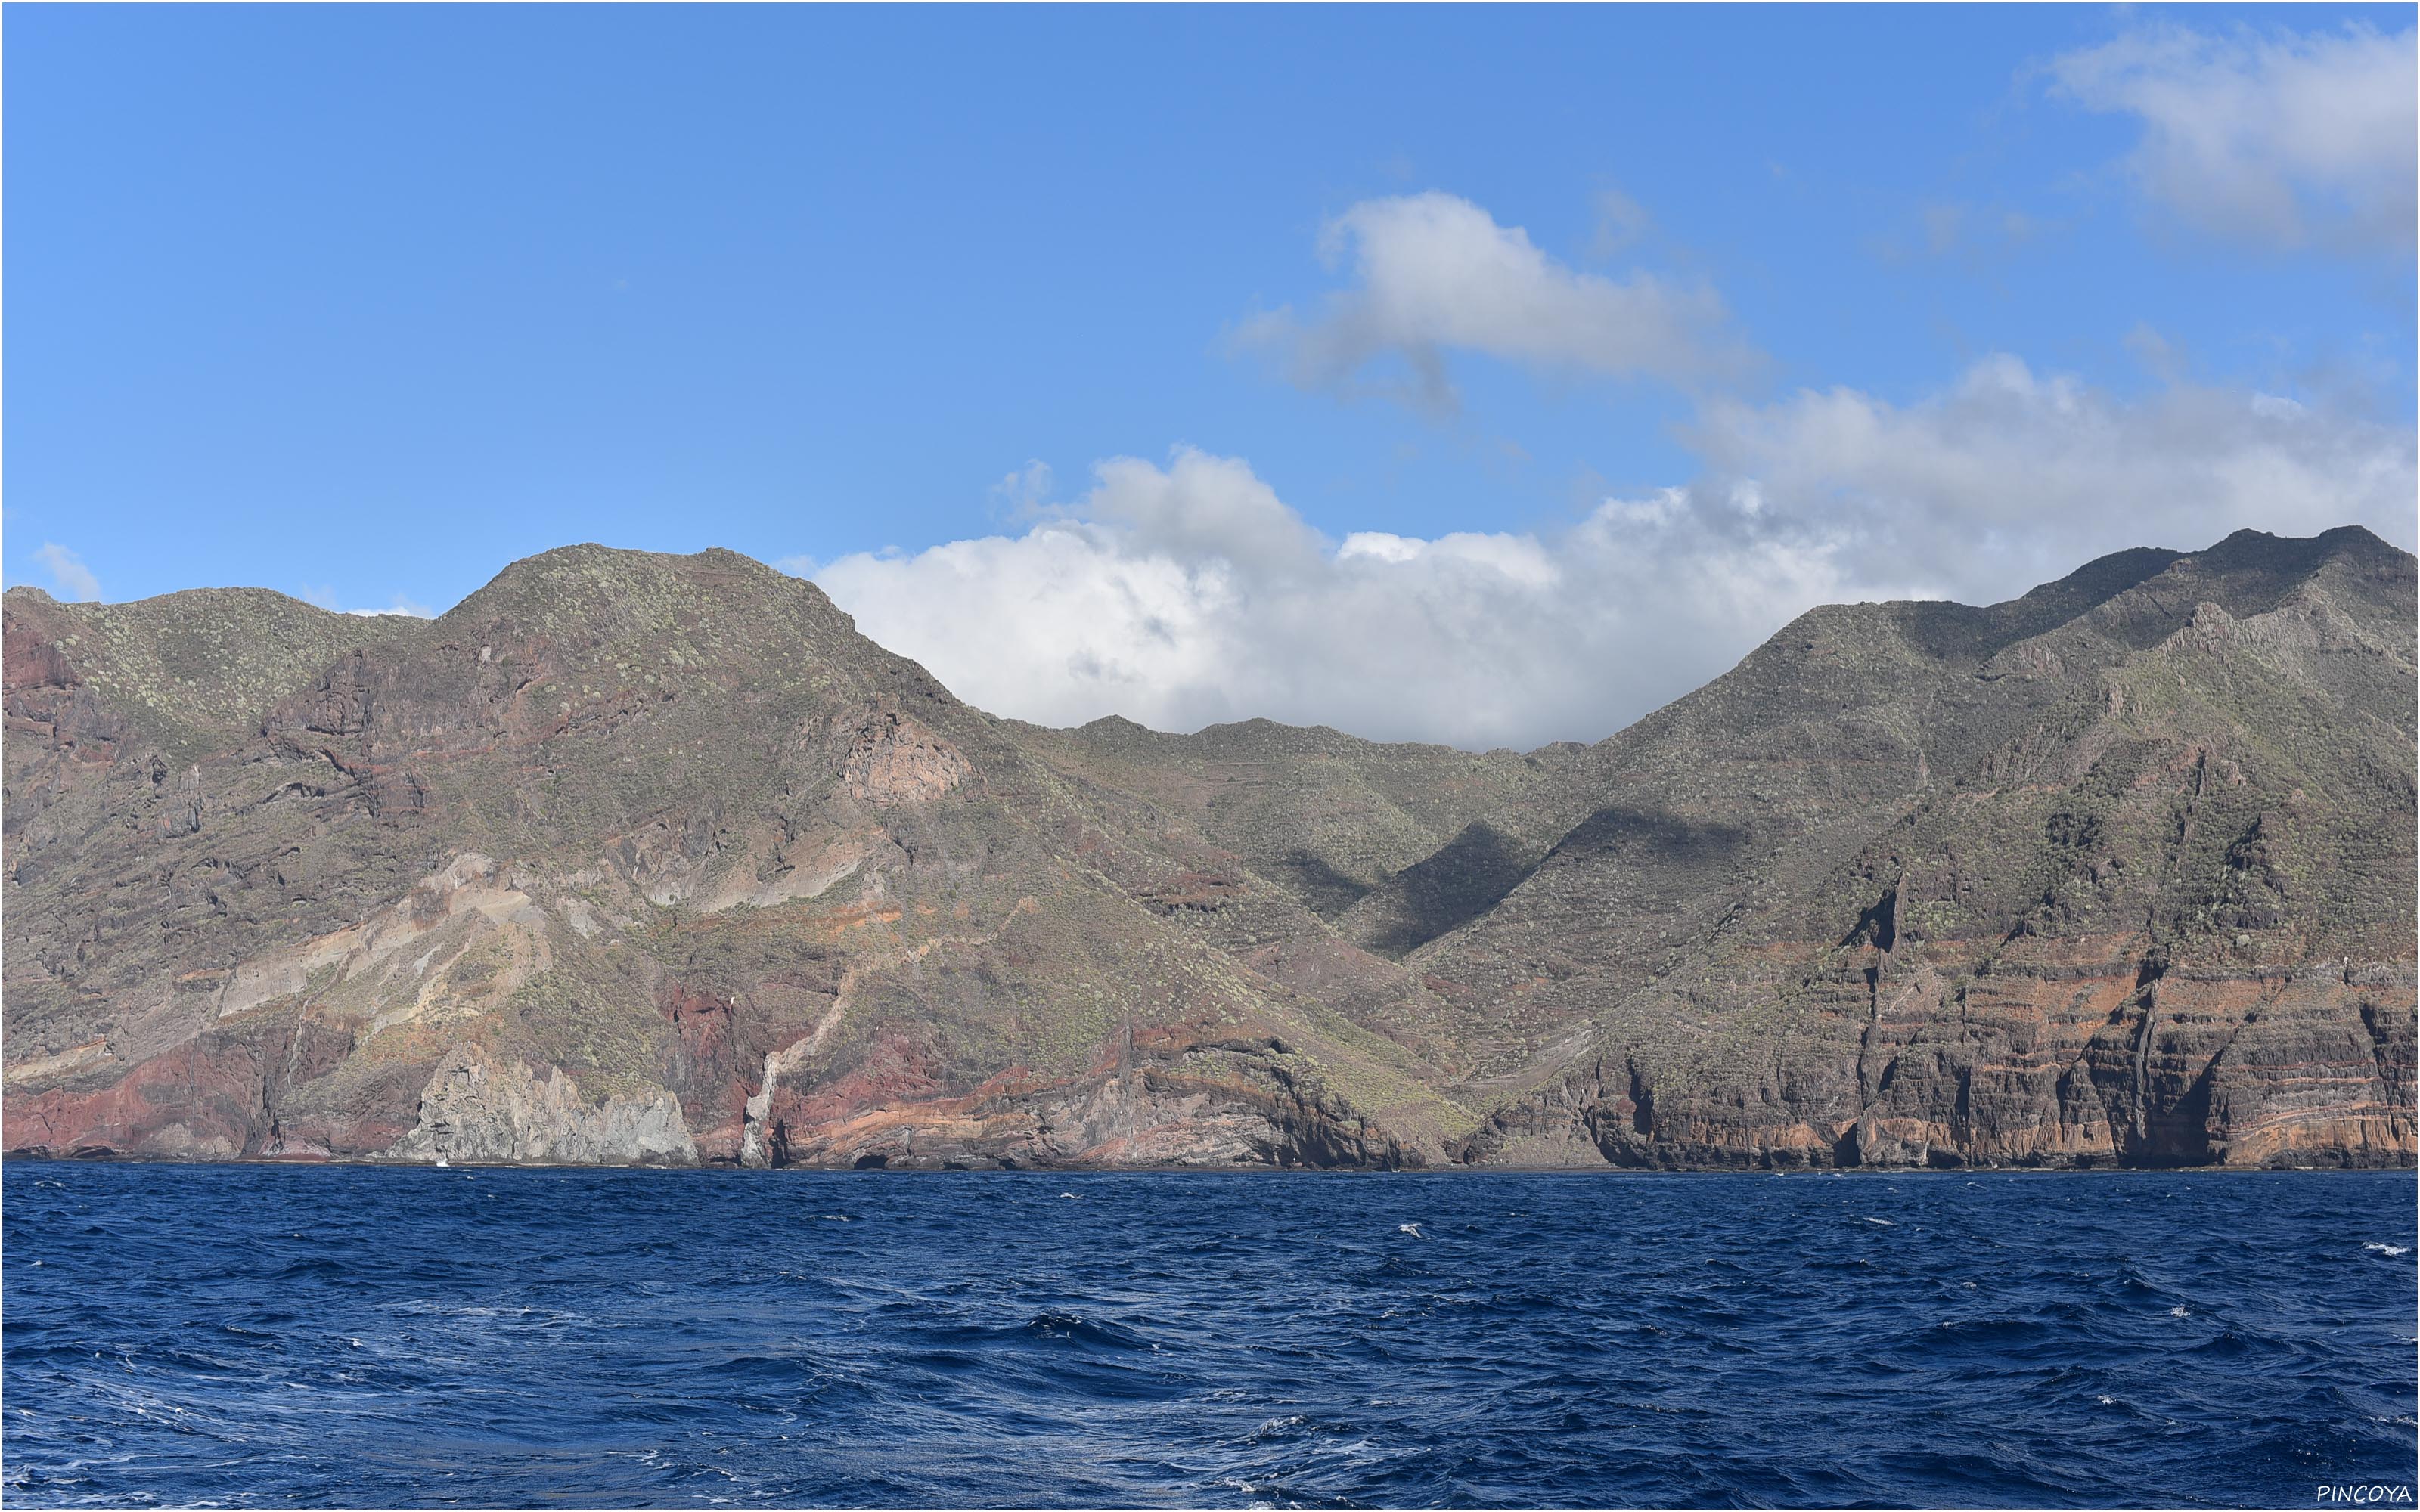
(70, 577)
(402, 607)
(2011, 477)
(1434, 273)
(1191, 594)
(1620, 222)
(1024, 491)
(2284, 139)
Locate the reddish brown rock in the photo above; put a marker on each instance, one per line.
(654, 858)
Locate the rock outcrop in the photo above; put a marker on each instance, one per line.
(653, 859)
(477, 1110)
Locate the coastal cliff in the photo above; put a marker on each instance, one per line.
(649, 859)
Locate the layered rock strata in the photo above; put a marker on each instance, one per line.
(634, 858)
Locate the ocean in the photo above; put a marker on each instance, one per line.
(345, 1335)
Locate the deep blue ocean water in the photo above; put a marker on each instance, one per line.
(243, 1335)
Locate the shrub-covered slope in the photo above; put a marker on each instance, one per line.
(635, 858)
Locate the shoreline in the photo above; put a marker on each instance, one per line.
(1608, 1170)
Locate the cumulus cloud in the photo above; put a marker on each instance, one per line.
(2011, 477)
(1433, 273)
(71, 579)
(1191, 594)
(2284, 139)
(1025, 491)
(402, 607)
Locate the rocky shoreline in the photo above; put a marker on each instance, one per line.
(644, 859)
(36, 1157)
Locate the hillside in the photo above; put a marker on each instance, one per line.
(636, 857)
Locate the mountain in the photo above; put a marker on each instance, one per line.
(648, 859)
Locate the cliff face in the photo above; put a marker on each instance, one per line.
(654, 860)
(2135, 887)
(624, 833)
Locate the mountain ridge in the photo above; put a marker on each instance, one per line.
(656, 858)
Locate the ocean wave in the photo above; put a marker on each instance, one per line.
(1209, 1340)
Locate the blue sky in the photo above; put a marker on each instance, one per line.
(363, 303)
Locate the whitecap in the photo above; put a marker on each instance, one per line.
(2389, 1251)
(1885, 1222)
(2180, 1311)
(1413, 1230)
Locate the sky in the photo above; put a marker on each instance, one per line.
(1487, 376)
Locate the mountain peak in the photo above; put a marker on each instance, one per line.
(665, 827)
(593, 589)
(2260, 551)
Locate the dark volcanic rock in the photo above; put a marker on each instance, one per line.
(648, 859)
